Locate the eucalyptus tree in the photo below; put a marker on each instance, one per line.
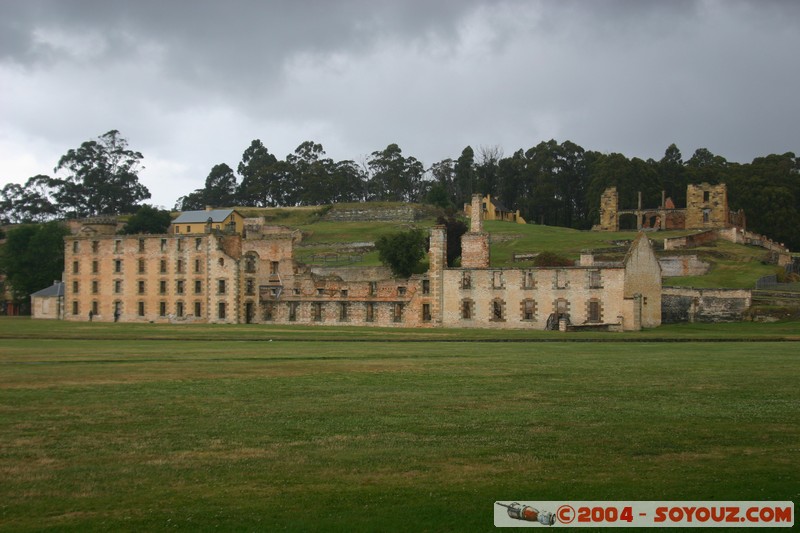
(393, 176)
(262, 181)
(102, 178)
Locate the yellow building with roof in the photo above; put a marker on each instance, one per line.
(194, 222)
(494, 210)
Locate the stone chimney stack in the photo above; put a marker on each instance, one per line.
(476, 214)
(475, 243)
(437, 253)
(438, 264)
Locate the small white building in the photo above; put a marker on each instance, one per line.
(49, 302)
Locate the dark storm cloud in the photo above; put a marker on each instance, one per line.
(192, 82)
(235, 37)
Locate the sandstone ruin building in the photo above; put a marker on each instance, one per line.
(706, 208)
(239, 272)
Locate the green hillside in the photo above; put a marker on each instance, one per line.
(732, 265)
(348, 243)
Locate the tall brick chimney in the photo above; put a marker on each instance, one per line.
(475, 243)
(476, 214)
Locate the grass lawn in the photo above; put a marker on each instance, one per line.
(732, 266)
(25, 328)
(105, 432)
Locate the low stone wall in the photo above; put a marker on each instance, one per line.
(682, 265)
(354, 273)
(100, 225)
(690, 241)
(401, 213)
(703, 305)
(782, 255)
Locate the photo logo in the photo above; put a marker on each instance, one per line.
(529, 514)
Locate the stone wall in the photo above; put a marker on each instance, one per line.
(782, 255)
(95, 226)
(706, 206)
(230, 279)
(690, 241)
(682, 265)
(525, 298)
(352, 273)
(740, 236)
(643, 281)
(400, 213)
(152, 278)
(475, 250)
(703, 305)
(609, 204)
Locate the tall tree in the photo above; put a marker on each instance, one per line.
(32, 257)
(348, 183)
(443, 189)
(706, 167)
(512, 182)
(486, 169)
(768, 189)
(27, 203)
(465, 176)
(261, 183)
(102, 178)
(394, 177)
(220, 189)
(673, 175)
(555, 185)
(313, 174)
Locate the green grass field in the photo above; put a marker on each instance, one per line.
(195, 430)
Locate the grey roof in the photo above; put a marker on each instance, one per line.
(499, 206)
(56, 289)
(193, 217)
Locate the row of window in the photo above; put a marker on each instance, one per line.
(317, 311)
(180, 266)
(250, 264)
(180, 245)
(141, 308)
(560, 281)
(528, 309)
(141, 285)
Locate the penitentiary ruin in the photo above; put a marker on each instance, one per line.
(216, 266)
(706, 208)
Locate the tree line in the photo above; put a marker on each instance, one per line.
(102, 178)
(551, 183)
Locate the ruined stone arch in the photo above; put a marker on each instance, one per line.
(627, 221)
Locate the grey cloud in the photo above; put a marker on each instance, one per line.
(192, 82)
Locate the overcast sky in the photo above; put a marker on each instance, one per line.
(190, 83)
